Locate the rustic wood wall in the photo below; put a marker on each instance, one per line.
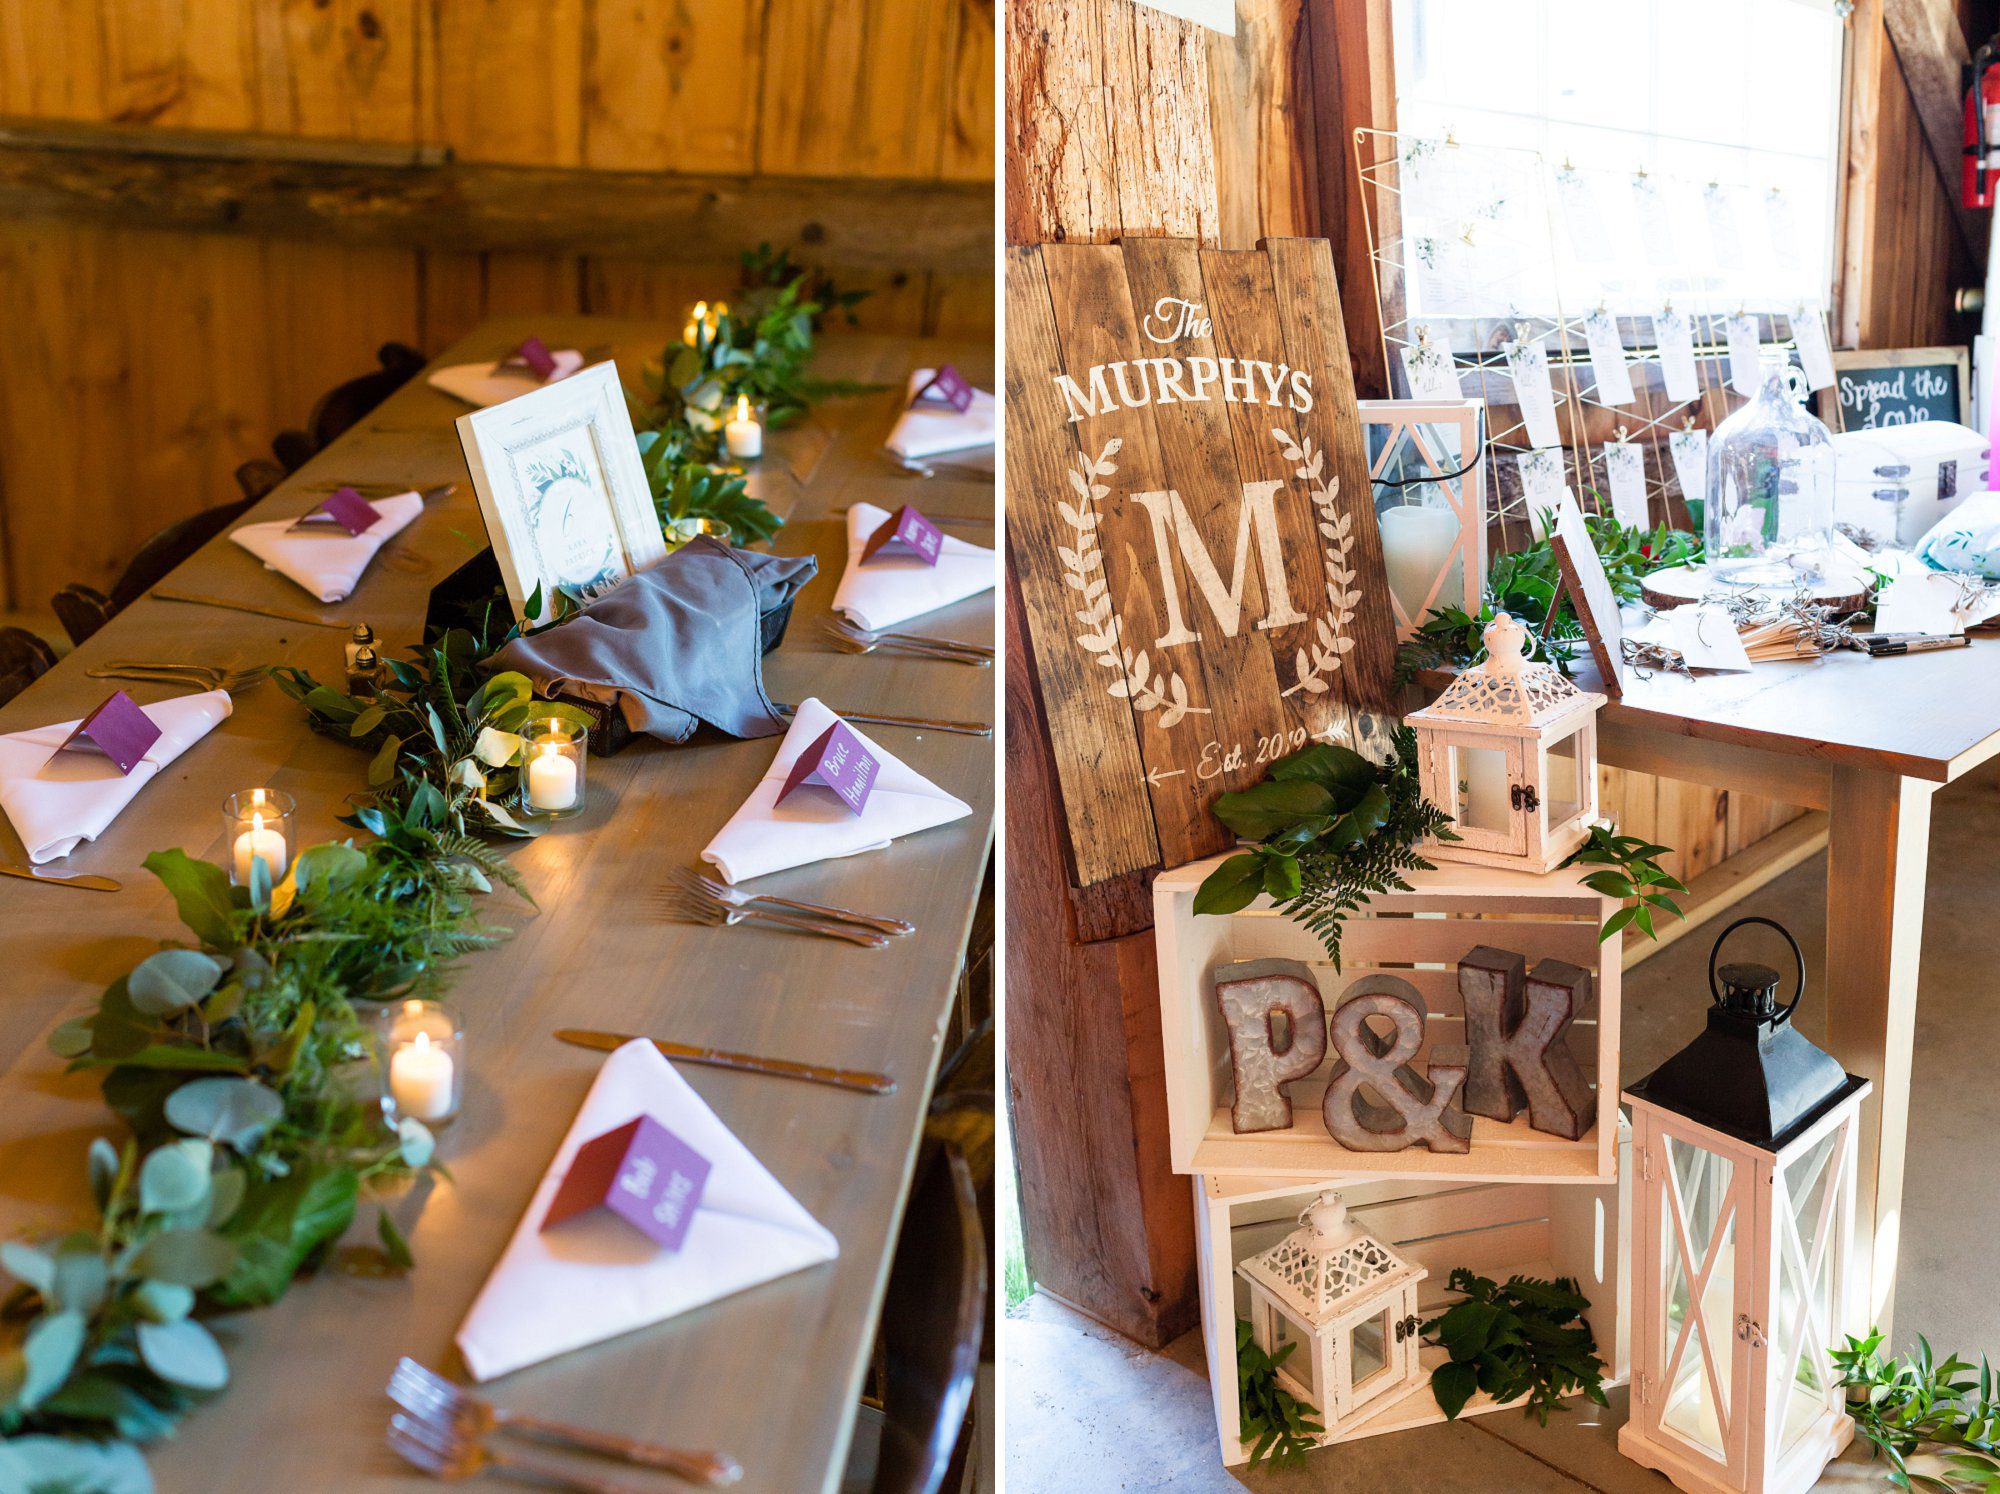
(144, 365)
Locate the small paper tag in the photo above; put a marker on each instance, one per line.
(641, 1172)
(1809, 337)
(1742, 332)
(1625, 466)
(344, 509)
(1675, 335)
(533, 354)
(118, 729)
(1542, 486)
(1607, 359)
(1724, 238)
(1657, 228)
(1430, 369)
(839, 761)
(1690, 454)
(1528, 362)
(946, 387)
(1582, 217)
(1704, 636)
(1783, 223)
(916, 535)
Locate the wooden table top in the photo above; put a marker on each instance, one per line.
(771, 1375)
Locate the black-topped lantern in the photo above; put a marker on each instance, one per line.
(1745, 1144)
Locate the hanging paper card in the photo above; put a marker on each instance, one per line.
(1528, 363)
(344, 512)
(839, 761)
(1625, 466)
(1542, 486)
(1656, 220)
(1430, 369)
(946, 387)
(1809, 337)
(641, 1172)
(1674, 334)
(1742, 331)
(1583, 216)
(1607, 359)
(533, 354)
(118, 729)
(1690, 454)
(1783, 223)
(909, 533)
(1725, 240)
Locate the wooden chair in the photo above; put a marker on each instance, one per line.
(933, 1327)
(82, 610)
(24, 658)
(346, 405)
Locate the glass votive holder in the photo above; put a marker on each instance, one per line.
(423, 1062)
(552, 768)
(258, 826)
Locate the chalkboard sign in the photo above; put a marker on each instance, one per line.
(1896, 386)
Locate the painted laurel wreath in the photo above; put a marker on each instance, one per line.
(1083, 571)
(1331, 642)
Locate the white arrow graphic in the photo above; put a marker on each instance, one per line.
(1154, 776)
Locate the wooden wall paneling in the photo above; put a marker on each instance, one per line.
(1061, 181)
(504, 80)
(451, 295)
(532, 282)
(966, 151)
(1260, 97)
(326, 309)
(1930, 50)
(857, 93)
(1162, 144)
(347, 68)
(1354, 79)
(669, 86)
(959, 305)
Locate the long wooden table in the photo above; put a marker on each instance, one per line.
(771, 1375)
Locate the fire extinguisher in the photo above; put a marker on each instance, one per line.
(1981, 171)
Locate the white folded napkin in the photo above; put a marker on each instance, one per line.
(895, 587)
(478, 384)
(594, 1277)
(327, 564)
(56, 801)
(766, 836)
(933, 427)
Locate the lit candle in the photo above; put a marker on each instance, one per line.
(551, 779)
(743, 433)
(1417, 543)
(697, 325)
(420, 1079)
(259, 844)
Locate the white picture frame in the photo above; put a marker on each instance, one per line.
(563, 490)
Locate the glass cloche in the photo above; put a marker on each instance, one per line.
(1770, 486)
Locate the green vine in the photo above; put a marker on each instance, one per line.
(1333, 828)
(1633, 874)
(1906, 1406)
(1275, 1423)
(1526, 1338)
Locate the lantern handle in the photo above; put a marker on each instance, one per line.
(1784, 1012)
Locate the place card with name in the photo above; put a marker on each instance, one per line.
(345, 510)
(909, 533)
(946, 387)
(839, 761)
(533, 354)
(118, 729)
(641, 1172)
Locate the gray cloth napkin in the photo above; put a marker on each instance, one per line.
(675, 646)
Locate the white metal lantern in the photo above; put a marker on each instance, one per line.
(1510, 748)
(1745, 1145)
(1347, 1301)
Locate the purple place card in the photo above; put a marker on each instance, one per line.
(840, 761)
(641, 1172)
(916, 535)
(344, 509)
(533, 354)
(118, 729)
(946, 387)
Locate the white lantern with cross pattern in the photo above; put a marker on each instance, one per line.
(1745, 1147)
(1509, 749)
(1349, 1304)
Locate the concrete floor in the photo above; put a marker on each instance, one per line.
(1089, 1410)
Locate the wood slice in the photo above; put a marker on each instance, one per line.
(1844, 589)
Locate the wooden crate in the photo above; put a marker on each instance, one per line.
(1496, 1229)
(1418, 935)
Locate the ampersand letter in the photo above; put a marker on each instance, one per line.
(1415, 1111)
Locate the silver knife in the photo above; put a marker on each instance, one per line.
(83, 880)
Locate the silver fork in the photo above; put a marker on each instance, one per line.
(442, 1452)
(841, 627)
(735, 897)
(694, 907)
(232, 680)
(846, 640)
(915, 723)
(433, 1398)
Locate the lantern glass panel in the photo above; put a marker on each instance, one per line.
(1479, 775)
(1301, 1364)
(1806, 1268)
(1698, 1381)
(1371, 1348)
(1564, 795)
(1417, 515)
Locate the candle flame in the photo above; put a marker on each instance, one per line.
(742, 407)
(423, 1040)
(701, 311)
(411, 1008)
(256, 824)
(256, 796)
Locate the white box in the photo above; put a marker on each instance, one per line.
(1495, 1229)
(1946, 462)
(1420, 936)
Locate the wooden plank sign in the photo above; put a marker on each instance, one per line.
(1190, 523)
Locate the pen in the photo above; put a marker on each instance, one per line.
(1909, 643)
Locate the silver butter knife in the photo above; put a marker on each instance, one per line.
(83, 880)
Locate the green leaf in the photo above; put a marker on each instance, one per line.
(162, 1301)
(1452, 1385)
(81, 1278)
(172, 981)
(281, 1223)
(236, 1112)
(174, 1178)
(414, 1142)
(1281, 877)
(1232, 886)
(393, 1244)
(1616, 922)
(194, 1258)
(183, 1353)
(72, 1465)
(1341, 770)
(226, 1190)
(72, 1038)
(367, 721)
(180, 1056)
(1267, 808)
(201, 892)
(35, 1267)
(497, 749)
(51, 1348)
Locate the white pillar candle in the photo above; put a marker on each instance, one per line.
(744, 434)
(420, 1079)
(1417, 543)
(551, 779)
(259, 844)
